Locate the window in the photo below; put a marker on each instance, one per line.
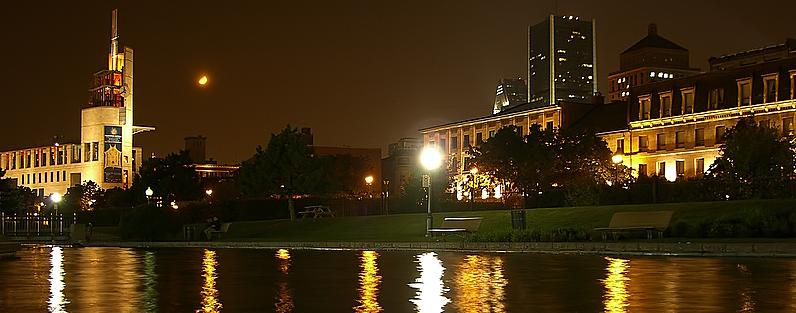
(36, 156)
(75, 153)
(45, 176)
(679, 139)
(787, 126)
(666, 105)
(87, 152)
(699, 137)
(620, 145)
(479, 139)
(699, 166)
(661, 141)
(491, 133)
(643, 145)
(57, 177)
(29, 178)
(642, 170)
(644, 108)
(95, 151)
(745, 91)
(60, 155)
(549, 125)
(770, 88)
(443, 144)
(661, 169)
(454, 144)
(715, 98)
(679, 167)
(34, 178)
(63, 175)
(52, 156)
(466, 143)
(719, 134)
(688, 101)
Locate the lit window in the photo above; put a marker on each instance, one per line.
(745, 91)
(770, 88)
(643, 144)
(644, 110)
(699, 137)
(715, 97)
(688, 100)
(652, 74)
(666, 105)
(661, 141)
(699, 167)
(679, 139)
(679, 166)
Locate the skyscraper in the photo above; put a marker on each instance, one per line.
(510, 92)
(562, 61)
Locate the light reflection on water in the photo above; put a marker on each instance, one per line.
(58, 279)
(284, 296)
(369, 281)
(480, 284)
(210, 296)
(430, 294)
(616, 298)
(57, 300)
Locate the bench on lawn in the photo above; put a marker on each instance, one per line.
(217, 233)
(652, 223)
(316, 211)
(458, 225)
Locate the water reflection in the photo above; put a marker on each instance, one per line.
(480, 284)
(616, 285)
(284, 296)
(210, 299)
(745, 293)
(57, 301)
(150, 282)
(369, 281)
(430, 295)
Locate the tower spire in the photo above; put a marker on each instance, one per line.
(114, 42)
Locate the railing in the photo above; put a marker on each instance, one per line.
(33, 224)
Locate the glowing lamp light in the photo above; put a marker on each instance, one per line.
(174, 205)
(203, 80)
(369, 179)
(56, 197)
(474, 170)
(148, 192)
(484, 194)
(430, 158)
(209, 192)
(617, 158)
(498, 192)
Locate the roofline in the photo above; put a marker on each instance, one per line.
(490, 117)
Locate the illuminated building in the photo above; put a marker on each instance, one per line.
(509, 92)
(562, 61)
(105, 153)
(675, 126)
(196, 146)
(651, 59)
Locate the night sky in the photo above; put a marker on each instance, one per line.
(359, 73)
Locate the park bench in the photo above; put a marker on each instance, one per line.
(216, 234)
(651, 223)
(457, 225)
(316, 211)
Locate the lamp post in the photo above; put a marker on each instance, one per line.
(385, 193)
(617, 159)
(474, 184)
(369, 182)
(431, 159)
(148, 192)
(55, 198)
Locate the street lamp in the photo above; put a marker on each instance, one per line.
(55, 198)
(617, 158)
(369, 182)
(431, 159)
(148, 192)
(209, 192)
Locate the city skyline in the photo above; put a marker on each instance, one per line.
(377, 62)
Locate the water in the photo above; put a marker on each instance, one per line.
(240, 280)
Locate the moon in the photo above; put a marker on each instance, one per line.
(203, 80)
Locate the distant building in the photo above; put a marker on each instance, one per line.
(105, 153)
(510, 92)
(207, 169)
(195, 146)
(651, 59)
(562, 61)
(371, 157)
(751, 57)
(400, 163)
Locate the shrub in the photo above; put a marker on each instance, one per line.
(149, 223)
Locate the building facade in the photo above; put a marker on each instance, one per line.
(675, 127)
(400, 163)
(562, 61)
(509, 92)
(651, 59)
(105, 152)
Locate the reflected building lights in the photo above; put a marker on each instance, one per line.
(210, 297)
(369, 281)
(616, 298)
(745, 294)
(57, 301)
(284, 296)
(430, 295)
(480, 285)
(150, 282)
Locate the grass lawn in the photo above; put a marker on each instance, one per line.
(411, 227)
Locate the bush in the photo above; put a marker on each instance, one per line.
(149, 223)
(556, 235)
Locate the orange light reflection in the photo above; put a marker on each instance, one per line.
(369, 281)
(210, 296)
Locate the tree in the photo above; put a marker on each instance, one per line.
(285, 167)
(172, 178)
(755, 161)
(83, 197)
(13, 198)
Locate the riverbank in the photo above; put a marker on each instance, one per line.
(647, 248)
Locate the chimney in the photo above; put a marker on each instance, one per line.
(652, 29)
